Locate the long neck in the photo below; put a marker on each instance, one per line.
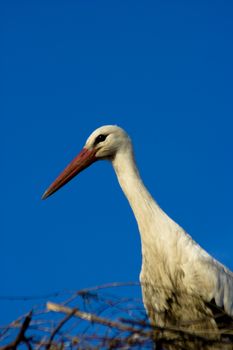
(150, 217)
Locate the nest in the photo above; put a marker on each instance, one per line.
(101, 317)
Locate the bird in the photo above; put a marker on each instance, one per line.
(182, 285)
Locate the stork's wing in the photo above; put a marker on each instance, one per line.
(222, 294)
(221, 304)
(208, 279)
(213, 282)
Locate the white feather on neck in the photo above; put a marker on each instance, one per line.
(152, 221)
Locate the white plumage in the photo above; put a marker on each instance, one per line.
(180, 281)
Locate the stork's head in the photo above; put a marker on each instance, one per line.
(104, 143)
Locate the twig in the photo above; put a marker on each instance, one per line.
(57, 329)
(21, 336)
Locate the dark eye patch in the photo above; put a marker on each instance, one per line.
(100, 138)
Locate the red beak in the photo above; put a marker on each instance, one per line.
(83, 160)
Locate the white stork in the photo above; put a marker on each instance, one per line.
(182, 284)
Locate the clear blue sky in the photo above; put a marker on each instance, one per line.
(163, 70)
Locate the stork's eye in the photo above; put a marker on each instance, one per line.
(100, 138)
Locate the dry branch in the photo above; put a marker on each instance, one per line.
(89, 317)
(21, 338)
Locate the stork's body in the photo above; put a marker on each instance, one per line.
(179, 279)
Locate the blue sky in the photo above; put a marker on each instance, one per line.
(160, 69)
